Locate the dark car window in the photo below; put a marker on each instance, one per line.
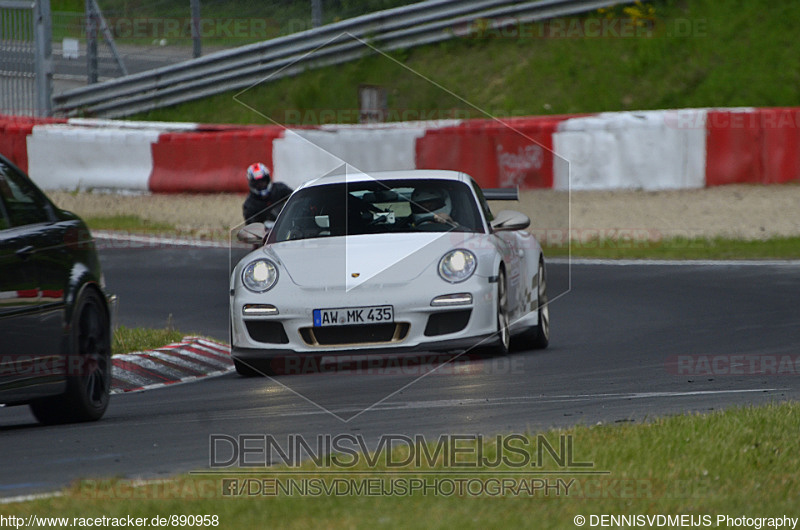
(378, 207)
(22, 202)
(487, 212)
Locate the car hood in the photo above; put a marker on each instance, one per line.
(374, 259)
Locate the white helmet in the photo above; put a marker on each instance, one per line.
(426, 202)
(259, 180)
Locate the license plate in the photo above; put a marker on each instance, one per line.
(348, 316)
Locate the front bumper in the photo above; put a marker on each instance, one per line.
(291, 330)
(449, 345)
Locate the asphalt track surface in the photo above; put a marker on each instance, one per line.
(615, 338)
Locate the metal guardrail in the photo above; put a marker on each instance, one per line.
(25, 51)
(239, 68)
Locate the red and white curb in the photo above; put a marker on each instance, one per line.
(181, 362)
(115, 239)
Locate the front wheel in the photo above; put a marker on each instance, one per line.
(245, 369)
(88, 366)
(503, 334)
(541, 333)
(537, 337)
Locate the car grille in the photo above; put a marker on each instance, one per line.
(266, 331)
(345, 335)
(447, 322)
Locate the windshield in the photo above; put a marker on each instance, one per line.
(373, 207)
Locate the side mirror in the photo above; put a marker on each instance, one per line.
(510, 220)
(253, 234)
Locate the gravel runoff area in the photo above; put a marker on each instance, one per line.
(735, 211)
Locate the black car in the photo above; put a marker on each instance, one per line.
(55, 325)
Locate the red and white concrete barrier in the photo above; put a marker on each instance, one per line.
(756, 146)
(664, 149)
(209, 160)
(301, 154)
(14, 132)
(63, 156)
(516, 152)
(645, 150)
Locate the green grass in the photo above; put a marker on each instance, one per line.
(701, 53)
(737, 462)
(128, 340)
(681, 248)
(129, 223)
(668, 248)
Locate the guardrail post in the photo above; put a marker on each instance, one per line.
(101, 20)
(316, 13)
(91, 43)
(43, 63)
(196, 39)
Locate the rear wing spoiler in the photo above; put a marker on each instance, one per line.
(501, 194)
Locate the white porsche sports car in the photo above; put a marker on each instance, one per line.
(388, 262)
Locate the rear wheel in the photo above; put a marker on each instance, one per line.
(88, 367)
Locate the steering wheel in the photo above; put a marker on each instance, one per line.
(294, 233)
(429, 225)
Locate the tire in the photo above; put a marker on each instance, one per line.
(88, 366)
(246, 370)
(540, 335)
(503, 334)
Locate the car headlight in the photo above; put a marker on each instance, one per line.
(260, 275)
(457, 265)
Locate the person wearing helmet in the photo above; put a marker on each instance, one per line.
(266, 197)
(430, 205)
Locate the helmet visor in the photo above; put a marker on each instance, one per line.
(260, 184)
(428, 204)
